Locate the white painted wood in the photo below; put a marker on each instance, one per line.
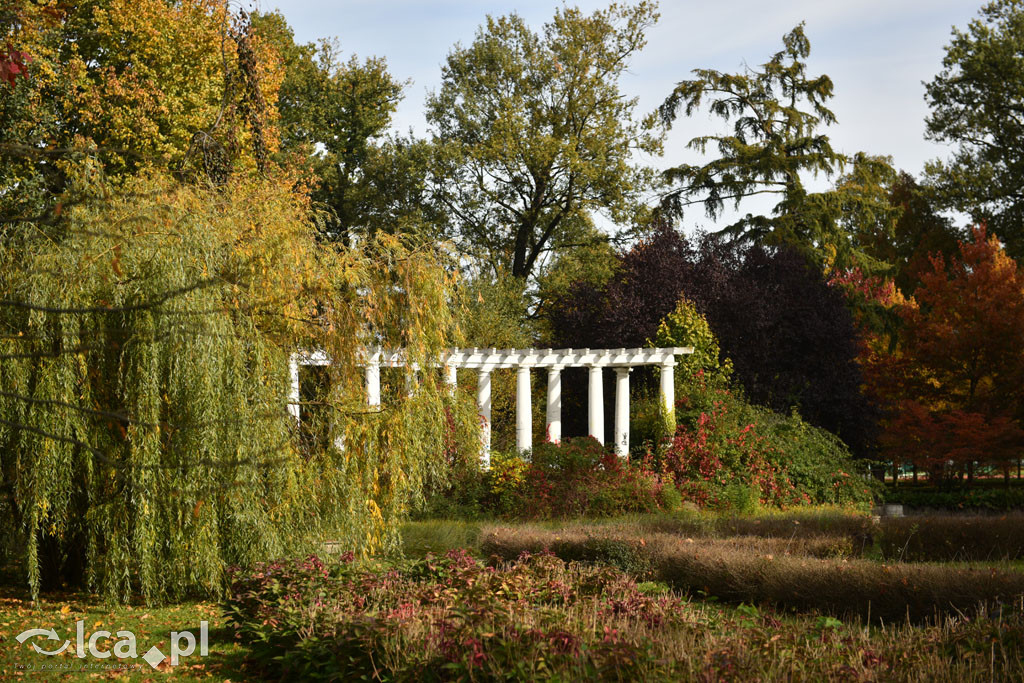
(486, 360)
(293, 389)
(595, 403)
(483, 402)
(373, 381)
(668, 386)
(524, 413)
(554, 405)
(545, 358)
(622, 412)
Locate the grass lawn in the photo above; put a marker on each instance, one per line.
(151, 626)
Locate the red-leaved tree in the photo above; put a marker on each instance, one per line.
(954, 385)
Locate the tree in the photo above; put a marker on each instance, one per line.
(533, 134)
(954, 384)
(332, 115)
(148, 316)
(146, 438)
(776, 112)
(917, 233)
(789, 334)
(977, 104)
(130, 87)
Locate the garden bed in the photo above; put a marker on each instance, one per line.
(455, 618)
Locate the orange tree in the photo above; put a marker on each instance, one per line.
(952, 383)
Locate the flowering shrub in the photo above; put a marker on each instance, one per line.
(575, 477)
(449, 618)
(728, 454)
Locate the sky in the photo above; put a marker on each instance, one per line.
(877, 52)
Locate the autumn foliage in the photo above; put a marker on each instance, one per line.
(952, 383)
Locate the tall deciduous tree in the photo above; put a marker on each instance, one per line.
(789, 334)
(334, 115)
(919, 231)
(977, 103)
(776, 112)
(534, 134)
(958, 373)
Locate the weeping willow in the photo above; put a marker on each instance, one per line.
(145, 439)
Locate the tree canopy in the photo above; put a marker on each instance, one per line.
(533, 135)
(333, 115)
(776, 112)
(789, 335)
(952, 386)
(977, 105)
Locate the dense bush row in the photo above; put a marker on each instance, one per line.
(732, 456)
(957, 499)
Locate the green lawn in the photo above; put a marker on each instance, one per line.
(151, 626)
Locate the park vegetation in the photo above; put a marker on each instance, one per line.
(189, 197)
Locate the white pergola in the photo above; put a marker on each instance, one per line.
(484, 361)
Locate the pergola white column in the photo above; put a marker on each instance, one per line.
(373, 381)
(451, 377)
(524, 426)
(554, 406)
(483, 402)
(595, 404)
(622, 412)
(294, 389)
(668, 387)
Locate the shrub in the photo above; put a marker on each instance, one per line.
(771, 570)
(944, 538)
(728, 454)
(449, 618)
(958, 499)
(575, 477)
(505, 482)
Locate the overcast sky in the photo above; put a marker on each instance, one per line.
(877, 52)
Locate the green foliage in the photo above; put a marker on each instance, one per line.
(685, 326)
(976, 101)
(729, 454)
(626, 556)
(533, 134)
(505, 481)
(592, 262)
(995, 498)
(491, 314)
(332, 113)
(145, 436)
(451, 618)
(573, 478)
(133, 85)
(776, 112)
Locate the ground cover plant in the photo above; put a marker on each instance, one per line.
(538, 617)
